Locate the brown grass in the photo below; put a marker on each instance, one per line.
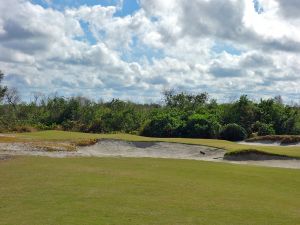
(253, 154)
(86, 142)
(284, 139)
(23, 129)
(5, 139)
(54, 146)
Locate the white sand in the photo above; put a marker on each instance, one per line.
(116, 148)
(268, 143)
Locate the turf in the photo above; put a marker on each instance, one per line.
(114, 191)
(227, 145)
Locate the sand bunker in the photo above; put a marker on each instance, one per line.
(117, 148)
(268, 143)
(152, 149)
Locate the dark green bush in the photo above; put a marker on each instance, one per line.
(265, 129)
(164, 124)
(233, 132)
(181, 115)
(201, 126)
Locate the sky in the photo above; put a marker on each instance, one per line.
(135, 49)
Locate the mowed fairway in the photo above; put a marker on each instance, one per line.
(120, 191)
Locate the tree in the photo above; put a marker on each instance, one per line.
(163, 124)
(12, 97)
(184, 101)
(233, 132)
(242, 112)
(202, 126)
(266, 129)
(2, 89)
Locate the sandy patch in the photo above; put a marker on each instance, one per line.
(151, 149)
(268, 143)
(7, 135)
(117, 148)
(291, 163)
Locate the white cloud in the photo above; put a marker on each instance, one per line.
(165, 44)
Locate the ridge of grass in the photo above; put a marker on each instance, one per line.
(283, 139)
(254, 154)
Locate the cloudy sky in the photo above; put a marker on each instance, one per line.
(134, 49)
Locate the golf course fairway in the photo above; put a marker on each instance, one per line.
(120, 191)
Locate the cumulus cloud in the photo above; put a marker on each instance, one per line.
(164, 44)
(290, 8)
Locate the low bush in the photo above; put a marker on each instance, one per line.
(233, 132)
(265, 129)
(201, 126)
(23, 129)
(163, 125)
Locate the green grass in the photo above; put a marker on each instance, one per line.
(121, 191)
(227, 145)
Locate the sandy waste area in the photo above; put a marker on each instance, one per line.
(117, 148)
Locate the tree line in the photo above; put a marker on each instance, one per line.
(180, 115)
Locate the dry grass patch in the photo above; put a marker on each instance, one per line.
(86, 142)
(253, 154)
(53, 146)
(5, 139)
(283, 139)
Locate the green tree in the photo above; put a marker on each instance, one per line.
(233, 132)
(242, 112)
(3, 89)
(184, 101)
(202, 126)
(163, 124)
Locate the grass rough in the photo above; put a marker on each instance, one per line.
(283, 139)
(253, 154)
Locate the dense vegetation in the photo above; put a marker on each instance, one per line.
(179, 115)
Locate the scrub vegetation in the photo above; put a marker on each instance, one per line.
(179, 115)
(91, 190)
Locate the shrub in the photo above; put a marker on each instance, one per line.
(233, 132)
(296, 129)
(68, 125)
(96, 126)
(23, 129)
(265, 129)
(163, 125)
(200, 126)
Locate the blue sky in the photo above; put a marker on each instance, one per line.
(116, 49)
(128, 6)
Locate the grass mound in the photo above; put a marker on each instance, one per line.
(86, 142)
(253, 154)
(283, 139)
